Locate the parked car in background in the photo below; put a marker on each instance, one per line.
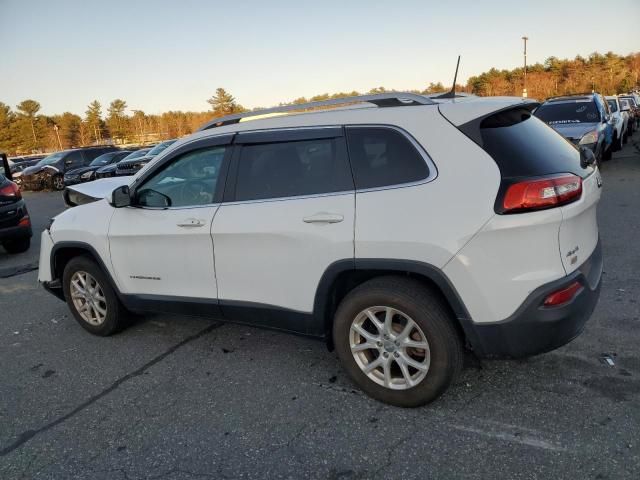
(620, 122)
(130, 167)
(49, 172)
(15, 224)
(18, 168)
(625, 107)
(584, 120)
(293, 222)
(634, 103)
(88, 173)
(110, 170)
(27, 158)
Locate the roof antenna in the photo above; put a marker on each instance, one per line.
(452, 93)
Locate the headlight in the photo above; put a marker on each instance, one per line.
(86, 175)
(589, 137)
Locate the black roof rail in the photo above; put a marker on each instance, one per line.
(391, 99)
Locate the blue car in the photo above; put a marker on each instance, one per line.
(584, 120)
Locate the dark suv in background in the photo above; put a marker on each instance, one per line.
(126, 167)
(49, 172)
(110, 170)
(88, 173)
(584, 120)
(15, 224)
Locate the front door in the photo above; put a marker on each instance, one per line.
(162, 245)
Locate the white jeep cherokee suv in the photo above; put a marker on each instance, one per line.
(399, 228)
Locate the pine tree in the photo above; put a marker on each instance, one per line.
(94, 122)
(117, 120)
(223, 103)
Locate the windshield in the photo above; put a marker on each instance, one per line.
(160, 147)
(51, 159)
(103, 159)
(136, 154)
(613, 105)
(579, 111)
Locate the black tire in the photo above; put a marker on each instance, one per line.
(617, 144)
(57, 182)
(428, 312)
(116, 316)
(625, 137)
(606, 155)
(17, 246)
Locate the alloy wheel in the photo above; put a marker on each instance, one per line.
(88, 298)
(389, 347)
(58, 183)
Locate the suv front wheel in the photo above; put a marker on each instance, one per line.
(396, 340)
(91, 298)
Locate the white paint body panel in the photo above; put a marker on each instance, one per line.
(579, 229)
(101, 188)
(88, 224)
(178, 261)
(429, 222)
(265, 252)
(44, 264)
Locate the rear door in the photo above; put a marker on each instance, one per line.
(288, 215)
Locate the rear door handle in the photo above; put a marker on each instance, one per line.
(191, 222)
(323, 217)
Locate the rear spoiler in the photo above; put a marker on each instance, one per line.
(471, 128)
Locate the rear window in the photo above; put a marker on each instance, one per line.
(523, 146)
(613, 105)
(382, 157)
(578, 111)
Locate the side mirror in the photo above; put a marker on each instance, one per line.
(587, 157)
(6, 169)
(121, 197)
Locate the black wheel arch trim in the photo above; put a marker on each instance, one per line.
(390, 266)
(57, 282)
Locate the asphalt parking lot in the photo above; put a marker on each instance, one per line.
(176, 397)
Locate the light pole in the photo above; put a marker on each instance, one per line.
(55, 127)
(524, 82)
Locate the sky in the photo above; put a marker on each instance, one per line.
(172, 55)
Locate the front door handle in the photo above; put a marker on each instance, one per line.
(323, 217)
(191, 222)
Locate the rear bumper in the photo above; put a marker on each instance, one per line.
(535, 329)
(15, 233)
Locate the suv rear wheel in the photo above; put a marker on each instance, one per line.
(91, 298)
(396, 340)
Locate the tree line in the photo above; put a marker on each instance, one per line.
(24, 130)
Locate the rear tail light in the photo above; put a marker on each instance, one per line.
(24, 221)
(542, 193)
(563, 296)
(11, 190)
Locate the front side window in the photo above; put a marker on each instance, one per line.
(189, 180)
(382, 157)
(288, 169)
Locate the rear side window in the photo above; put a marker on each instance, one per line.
(288, 169)
(523, 146)
(382, 157)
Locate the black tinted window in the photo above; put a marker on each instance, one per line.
(613, 105)
(522, 145)
(287, 169)
(74, 158)
(576, 111)
(382, 156)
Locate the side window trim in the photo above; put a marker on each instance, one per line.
(332, 131)
(431, 166)
(193, 146)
